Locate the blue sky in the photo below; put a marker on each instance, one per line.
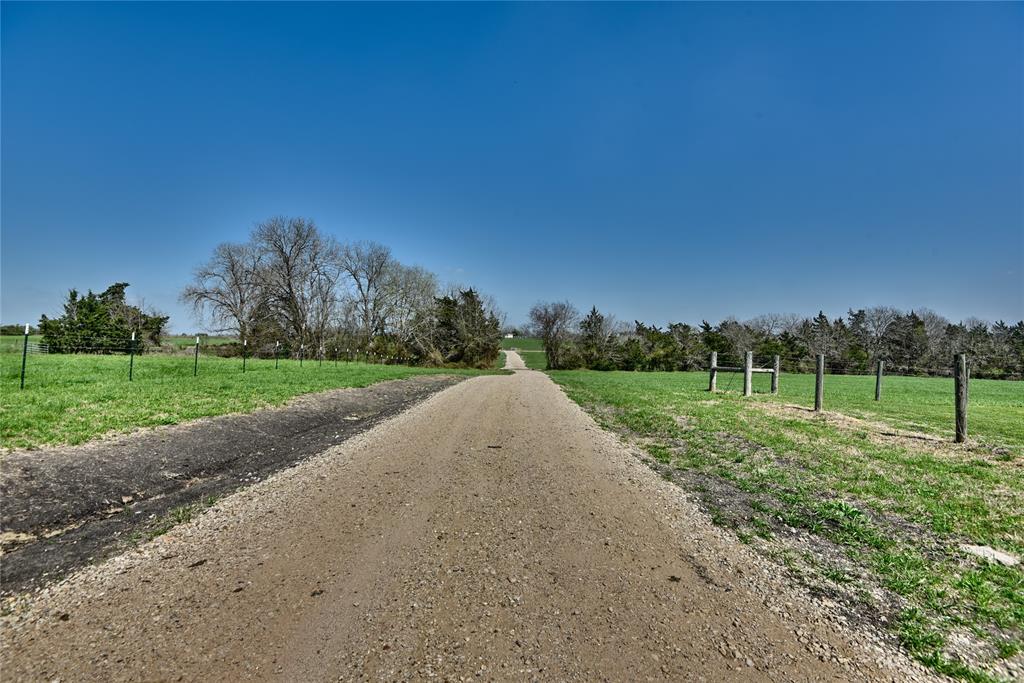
(662, 161)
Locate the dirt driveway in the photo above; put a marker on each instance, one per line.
(64, 507)
(491, 531)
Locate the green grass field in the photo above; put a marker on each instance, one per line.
(13, 344)
(524, 343)
(995, 413)
(186, 340)
(536, 360)
(893, 510)
(74, 398)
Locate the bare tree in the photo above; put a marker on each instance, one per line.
(301, 275)
(772, 324)
(739, 335)
(227, 289)
(934, 326)
(369, 266)
(410, 294)
(554, 323)
(878, 320)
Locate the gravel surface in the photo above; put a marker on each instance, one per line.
(66, 507)
(493, 531)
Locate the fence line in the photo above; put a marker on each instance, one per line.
(132, 347)
(960, 370)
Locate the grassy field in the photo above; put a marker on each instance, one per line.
(12, 344)
(74, 398)
(995, 413)
(186, 340)
(524, 343)
(536, 360)
(886, 514)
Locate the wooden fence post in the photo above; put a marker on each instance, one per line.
(878, 380)
(714, 371)
(960, 380)
(776, 367)
(819, 382)
(748, 365)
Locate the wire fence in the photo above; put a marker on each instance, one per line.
(750, 365)
(278, 356)
(959, 369)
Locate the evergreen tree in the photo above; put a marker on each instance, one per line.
(101, 323)
(595, 342)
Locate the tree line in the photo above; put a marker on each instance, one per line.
(294, 288)
(910, 342)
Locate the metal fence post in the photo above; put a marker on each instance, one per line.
(131, 358)
(277, 353)
(24, 356)
(195, 367)
(245, 345)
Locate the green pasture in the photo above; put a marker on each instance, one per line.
(523, 343)
(187, 340)
(70, 399)
(13, 343)
(536, 360)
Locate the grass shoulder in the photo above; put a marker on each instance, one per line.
(874, 521)
(70, 399)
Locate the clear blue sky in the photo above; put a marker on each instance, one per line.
(662, 161)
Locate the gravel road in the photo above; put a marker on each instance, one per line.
(64, 507)
(492, 531)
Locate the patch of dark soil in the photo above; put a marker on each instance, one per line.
(66, 507)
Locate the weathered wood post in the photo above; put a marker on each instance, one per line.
(960, 380)
(819, 382)
(748, 375)
(714, 370)
(776, 368)
(878, 380)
